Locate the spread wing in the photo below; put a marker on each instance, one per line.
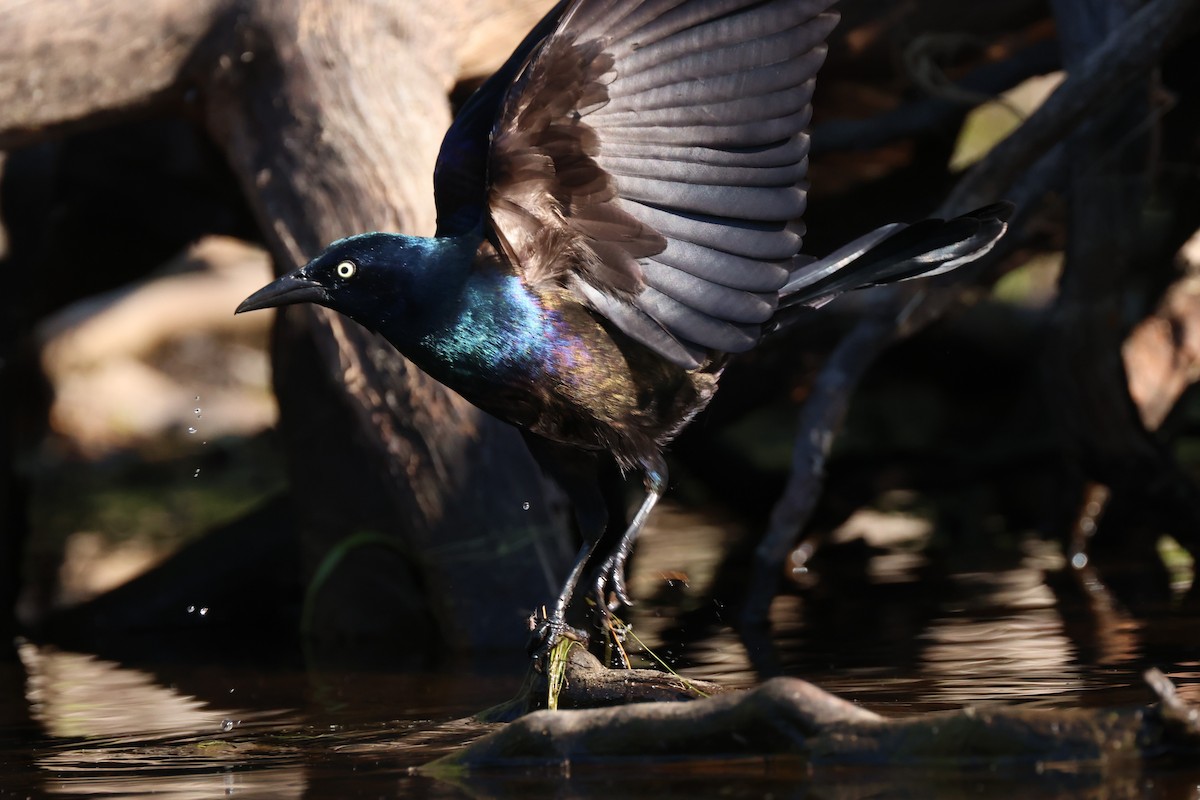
(648, 156)
(460, 175)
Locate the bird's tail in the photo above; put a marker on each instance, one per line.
(897, 252)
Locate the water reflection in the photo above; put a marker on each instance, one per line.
(114, 730)
(883, 620)
(99, 728)
(78, 695)
(879, 621)
(161, 780)
(1007, 636)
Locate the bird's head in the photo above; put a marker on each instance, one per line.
(371, 278)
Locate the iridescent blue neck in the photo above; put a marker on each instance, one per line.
(497, 327)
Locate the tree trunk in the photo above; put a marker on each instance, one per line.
(331, 116)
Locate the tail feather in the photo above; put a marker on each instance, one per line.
(897, 252)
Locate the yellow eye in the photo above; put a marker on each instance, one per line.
(346, 269)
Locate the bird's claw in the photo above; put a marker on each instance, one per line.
(546, 630)
(609, 589)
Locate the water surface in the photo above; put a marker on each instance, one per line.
(886, 628)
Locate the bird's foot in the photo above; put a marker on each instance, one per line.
(609, 588)
(547, 630)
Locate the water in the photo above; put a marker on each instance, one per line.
(883, 627)
(99, 729)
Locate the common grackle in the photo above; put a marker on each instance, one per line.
(618, 212)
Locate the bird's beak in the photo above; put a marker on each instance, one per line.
(289, 289)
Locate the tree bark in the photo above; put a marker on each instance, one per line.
(69, 64)
(303, 97)
(331, 116)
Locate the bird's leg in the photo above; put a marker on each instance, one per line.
(546, 630)
(577, 473)
(610, 576)
(596, 489)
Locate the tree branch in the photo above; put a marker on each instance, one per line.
(1033, 149)
(1124, 57)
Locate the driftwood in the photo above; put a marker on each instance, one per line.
(589, 684)
(788, 717)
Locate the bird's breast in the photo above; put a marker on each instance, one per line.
(498, 332)
(502, 342)
(542, 361)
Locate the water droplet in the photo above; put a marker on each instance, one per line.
(203, 611)
(197, 398)
(191, 609)
(525, 506)
(191, 429)
(1079, 560)
(197, 474)
(197, 413)
(227, 725)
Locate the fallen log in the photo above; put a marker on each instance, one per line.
(791, 718)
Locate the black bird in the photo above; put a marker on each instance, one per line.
(618, 212)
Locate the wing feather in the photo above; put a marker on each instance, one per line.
(767, 64)
(769, 157)
(725, 269)
(761, 202)
(649, 156)
(748, 113)
(748, 238)
(628, 169)
(719, 302)
(695, 326)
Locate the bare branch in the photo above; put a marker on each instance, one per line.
(1033, 150)
(1124, 57)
